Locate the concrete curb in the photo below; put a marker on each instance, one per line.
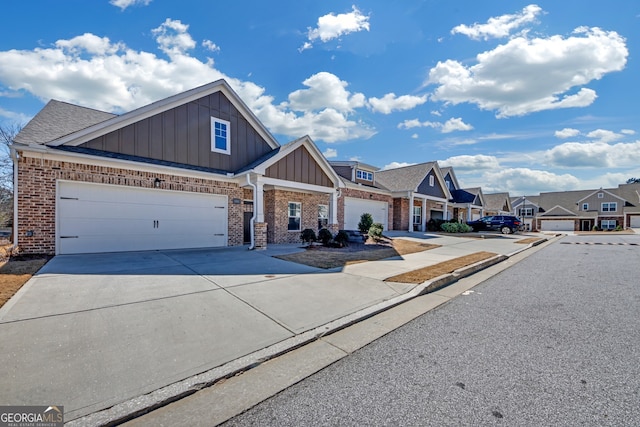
(141, 405)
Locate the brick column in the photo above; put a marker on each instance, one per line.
(260, 235)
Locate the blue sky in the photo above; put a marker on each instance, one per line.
(517, 96)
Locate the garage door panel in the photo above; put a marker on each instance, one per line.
(635, 221)
(106, 218)
(557, 225)
(354, 208)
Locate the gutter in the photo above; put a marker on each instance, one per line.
(15, 156)
(252, 245)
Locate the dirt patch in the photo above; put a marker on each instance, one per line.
(529, 240)
(15, 271)
(423, 274)
(324, 257)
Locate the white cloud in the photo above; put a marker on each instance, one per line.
(451, 125)
(330, 153)
(209, 45)
(325, 90)
(500, 26)
(13, 117)
(604, 135)
(123, 4)
(415, 136)
(390, 102)
(628, 131)
(527, 181)
(395, 165)
(471, 163)
(566, 133)
(507, 78)
(95, 72)
(455, 124)
(594, 154)
(436, 113)
(332, 26)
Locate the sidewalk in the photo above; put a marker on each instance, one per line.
(111, 336)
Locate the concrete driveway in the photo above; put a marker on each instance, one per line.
(91, 331)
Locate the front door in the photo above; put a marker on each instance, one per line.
(247, 226)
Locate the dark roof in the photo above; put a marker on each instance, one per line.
(58, 119)
(407, 178)
(463, 196)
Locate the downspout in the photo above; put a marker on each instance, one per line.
(252, 245)
(15, 157)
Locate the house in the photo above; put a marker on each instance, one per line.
(466, 204)
(497, 204)
(527, 209)
(197, 169)
(585, 210)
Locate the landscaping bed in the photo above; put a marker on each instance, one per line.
(423, 274)
(16, 270)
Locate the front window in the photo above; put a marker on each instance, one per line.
(585, 206)
(526, 212)
(367, 176)
(220, 136)
(295, 214)
(417, 214)
(608, 224)
(609, 207)
(323, 216)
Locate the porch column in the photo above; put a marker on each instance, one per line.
(259, 226)
(410, 212)
(258, 204)
(423, 220)
(333, 213)
(469, 212)
(445, 213)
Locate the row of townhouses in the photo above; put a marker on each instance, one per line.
(198, 169)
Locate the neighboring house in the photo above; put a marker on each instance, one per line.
(583, 210)
(466, 204)
(197, 169)
(497, 204)
(361, 194)
(527, 208)
(419, 194)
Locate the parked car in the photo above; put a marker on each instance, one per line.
(506, 224)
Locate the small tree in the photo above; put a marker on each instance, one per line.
(375, 231)
(366, 221)
(325, 236)
(308, 236)
(342, 238)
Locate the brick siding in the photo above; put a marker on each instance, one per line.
(276, 206)
(37, 196)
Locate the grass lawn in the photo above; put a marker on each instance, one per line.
(16, 271)
(423, 274)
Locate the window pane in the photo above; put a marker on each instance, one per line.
(294, 224)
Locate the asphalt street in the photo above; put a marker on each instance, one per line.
(553, 340)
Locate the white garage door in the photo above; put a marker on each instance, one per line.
(635, 222)
(557, 225)
(110, 218)
(354, 208)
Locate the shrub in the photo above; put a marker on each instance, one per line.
(308, 236)
(325, 236)
(618, 228)
(595, 228)
(375, 231)
(342, 238)
(366, 221)
(455, 227)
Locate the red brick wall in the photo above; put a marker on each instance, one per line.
(276, 206)
(37, 190)
(401, 214)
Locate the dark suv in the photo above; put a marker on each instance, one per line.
(506, 224)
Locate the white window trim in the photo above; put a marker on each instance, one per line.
(615, 207)
(299, 210)
(608, 222)
(417, 213)
(215, 120)
(364, 175)
(600, 195)
(320, 218)
(431, 181)
(585, 206)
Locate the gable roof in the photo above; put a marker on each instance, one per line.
(58, 119)
(407, 178)
(497, 201)
(600, 191)
(449, 170)
(558, 211)
(98, 129)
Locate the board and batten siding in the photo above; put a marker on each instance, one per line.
(183, 135)
(425, 188)
(299, 166)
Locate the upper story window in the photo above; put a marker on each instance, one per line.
(585, 206)
(448, 184)
(367, 176)
(525, 212)
(600, 195)
(609, 207)
(220, 136)
(431, 181)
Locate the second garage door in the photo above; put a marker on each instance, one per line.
(354, 208)
(110, 218)
(557, 225)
